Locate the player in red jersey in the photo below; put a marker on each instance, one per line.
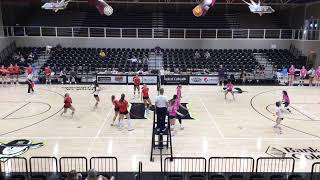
(17, 72)
(47, 73)
(136, 84)
(145, 97)
(3, 72)
(115, 102)
(29, 70)
(123, 109)
(11, 73)
(68, 104)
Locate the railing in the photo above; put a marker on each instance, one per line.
(176, 167)
(105, 32)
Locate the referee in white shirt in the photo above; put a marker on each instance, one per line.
(161, 104)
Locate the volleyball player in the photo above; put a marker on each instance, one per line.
(29, 70)
(286, 100)
(318, 76)
(229, 89)
(68, 105)
(174, 114)
(115, 103)
(47, 73)
(17, 72)
(3, 71)
(136, 85)
(146, 98)
(178, 101)
(123, 110)
(292, 70)
(279, 114)
(11, 73)
(303, 74)
(96, 90)
(312, 75)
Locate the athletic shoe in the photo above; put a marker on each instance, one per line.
(130, 129)
(181, 127)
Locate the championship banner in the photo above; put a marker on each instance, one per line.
(144, 79)
(175, 79)
(210, 80)
(114, 79)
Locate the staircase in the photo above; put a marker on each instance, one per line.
(262, 59)
(42, 59)
(158, 25)
(155, 61)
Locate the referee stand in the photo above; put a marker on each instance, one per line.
(161, 144)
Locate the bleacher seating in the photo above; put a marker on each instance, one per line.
(87, 60)
(24, 51)
(283, 58)
(233, 60)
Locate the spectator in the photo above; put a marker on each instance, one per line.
(197, 55)
(243, 76)
(93, 175)
(133, 59)
(102, 54)
(73, 175)
(161, 104)
(221, 74)
(73, 76)
(48, 49)
(21, 59)
(30, 57)
(62, 77)
(207, 55)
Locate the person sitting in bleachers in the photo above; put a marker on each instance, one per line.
(93, 175)
(73, 175)
(102, 54)
(197, 55)
(30, 57)
(207, 55)
(133, 59)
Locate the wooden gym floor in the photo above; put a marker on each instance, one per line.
(220, 127)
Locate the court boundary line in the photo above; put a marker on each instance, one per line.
(49, 107)
(35, 123)
(252, 106)
(268, 106)
(16, 110)
(212, 119)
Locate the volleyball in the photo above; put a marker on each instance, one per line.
(52, 73)
(197, 11)
(108, 10)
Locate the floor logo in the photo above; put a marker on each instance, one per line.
(17, 148)
(309, 153)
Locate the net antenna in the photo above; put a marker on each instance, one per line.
(56, 5)
(257, 8)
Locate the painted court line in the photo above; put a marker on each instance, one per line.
(303, 112)
(16, 110)
(212, 119)
(99, 131)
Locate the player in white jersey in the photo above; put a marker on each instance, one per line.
(96, 91)
(279, 113)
